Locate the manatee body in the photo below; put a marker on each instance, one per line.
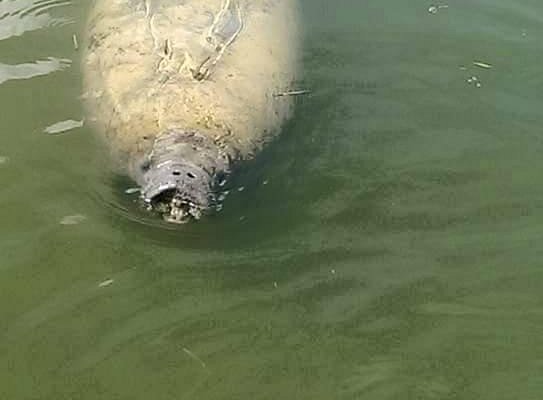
(183, 89)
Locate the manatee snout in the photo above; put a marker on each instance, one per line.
(178, 176)
(178, 191)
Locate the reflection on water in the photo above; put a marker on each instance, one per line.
(30, 70)
(20, 16)
(63, 126)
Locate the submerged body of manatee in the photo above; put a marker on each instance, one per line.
(383, 243)
(182, 92)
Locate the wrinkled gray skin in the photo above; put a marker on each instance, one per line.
(183, 89)
(180, 175)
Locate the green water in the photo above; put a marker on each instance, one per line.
(393, 253)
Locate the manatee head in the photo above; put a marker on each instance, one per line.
(179, 176)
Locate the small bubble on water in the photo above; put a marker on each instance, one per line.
(73, 219)
(265, 182)
(475, 80)
(4, 160)
(241, 188)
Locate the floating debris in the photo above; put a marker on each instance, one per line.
(292, 93)
(132, 190)
(242, 218)
(63, 126)
(333, 271)
(241, 188)
(478, 84)
(75, 42)
(275, 285)
(105, 283)
(433, 9)
(481, 64)
(73, 219)
(194, 357)
(463, 68)
(265, 182)
(219, 207)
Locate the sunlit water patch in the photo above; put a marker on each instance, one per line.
(20, 16)
(63, 126)
(33, 69)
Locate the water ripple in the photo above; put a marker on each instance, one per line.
(20, 16)
(30, 70)
(63, 126)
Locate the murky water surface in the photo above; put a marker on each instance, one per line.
(386, 246)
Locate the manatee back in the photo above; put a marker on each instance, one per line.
(208, 65)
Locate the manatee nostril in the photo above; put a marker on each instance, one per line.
(145, 166)
(176, 173)
(191, 175)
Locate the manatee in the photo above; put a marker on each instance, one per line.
(184, 90)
